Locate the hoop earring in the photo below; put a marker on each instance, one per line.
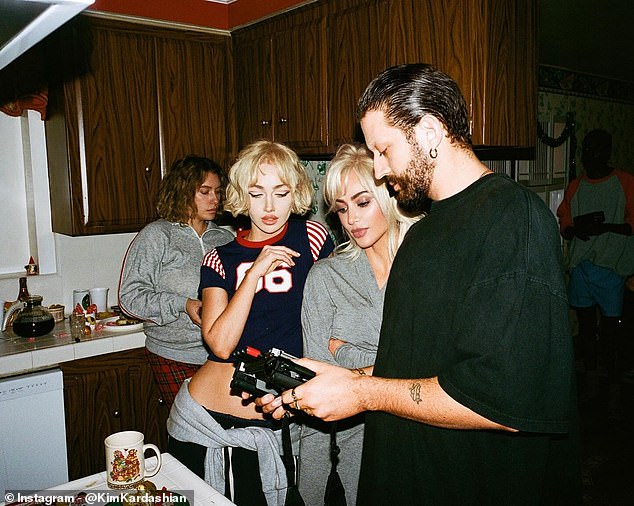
(433, 153)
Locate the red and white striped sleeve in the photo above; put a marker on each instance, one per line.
(317, 237)
(212, 260)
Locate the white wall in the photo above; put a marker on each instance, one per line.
(82, 262)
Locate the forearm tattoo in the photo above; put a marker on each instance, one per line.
(414, 392)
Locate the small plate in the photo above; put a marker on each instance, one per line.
(110, 325)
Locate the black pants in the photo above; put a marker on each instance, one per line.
(627, 330)
(245, 469)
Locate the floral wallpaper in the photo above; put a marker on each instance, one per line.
(317, 170)
(596, 103)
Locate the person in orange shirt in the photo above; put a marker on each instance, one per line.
(597, 217)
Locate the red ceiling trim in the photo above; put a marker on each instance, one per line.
(193, 12)
(245, 11)
(196, 12)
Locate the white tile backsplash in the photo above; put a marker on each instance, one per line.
(82, 262)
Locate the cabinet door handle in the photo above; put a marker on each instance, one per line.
(116, 413)
(148, 169)
(161, 401)
(283, 120)
(265, 122)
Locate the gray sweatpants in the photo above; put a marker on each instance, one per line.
(314, 455)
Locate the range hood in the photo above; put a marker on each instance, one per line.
(23, 23)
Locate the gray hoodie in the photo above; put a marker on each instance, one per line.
(189, 421)
(161, 270)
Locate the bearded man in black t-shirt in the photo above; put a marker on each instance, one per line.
(472, 396)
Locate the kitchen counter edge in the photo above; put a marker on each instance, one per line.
(37, 359)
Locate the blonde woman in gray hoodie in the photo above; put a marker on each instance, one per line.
(343, 306)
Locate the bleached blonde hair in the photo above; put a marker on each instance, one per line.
(351, 158)
(244, 174)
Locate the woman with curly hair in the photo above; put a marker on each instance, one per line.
(161, 270)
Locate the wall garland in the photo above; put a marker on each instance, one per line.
(567, 133)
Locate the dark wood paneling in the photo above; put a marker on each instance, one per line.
(194, 80)
(357, 49)
(299, 60)
(149, 96)
(107, 394)
(119, 119)
(92, 408)
(282, 80)
(254, 88)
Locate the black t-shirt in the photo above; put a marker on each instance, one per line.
(476, 296)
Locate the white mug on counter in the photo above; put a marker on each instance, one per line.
(99, 297)
(125, 460)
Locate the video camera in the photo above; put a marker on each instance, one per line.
(271, 372)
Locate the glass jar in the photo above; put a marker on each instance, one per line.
(34, 320)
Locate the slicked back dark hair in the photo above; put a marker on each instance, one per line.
(405, 93)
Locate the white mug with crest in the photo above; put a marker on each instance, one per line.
(125, 460)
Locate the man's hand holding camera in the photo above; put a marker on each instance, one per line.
(333, 394)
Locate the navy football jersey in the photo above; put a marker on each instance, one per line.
(274, 320)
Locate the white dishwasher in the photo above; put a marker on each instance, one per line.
(32, 432)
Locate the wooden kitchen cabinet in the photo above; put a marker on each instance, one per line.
(254, 85)
(487, 46)
(282, 81)
(505, 98)
(102, 138)
(356, 53)
(147, 97)
(106, 394)
(195, 96)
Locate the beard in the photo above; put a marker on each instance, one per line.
(414, 184)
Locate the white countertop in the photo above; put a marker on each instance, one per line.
(27, 354)
(174, 476)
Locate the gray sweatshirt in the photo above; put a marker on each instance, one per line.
(189, 421)
(161, 270)
(342, 300)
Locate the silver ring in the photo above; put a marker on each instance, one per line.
(294, 395)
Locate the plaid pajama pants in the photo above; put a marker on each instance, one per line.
(169, 375)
